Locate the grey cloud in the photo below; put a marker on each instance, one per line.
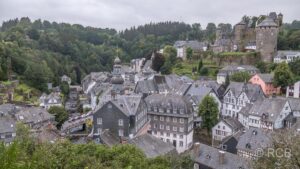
(121, 14)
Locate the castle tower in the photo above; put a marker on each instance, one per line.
(279, 19)
(239, 33)
(266, 39)
(218, 34)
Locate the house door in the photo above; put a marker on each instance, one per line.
(174, 143)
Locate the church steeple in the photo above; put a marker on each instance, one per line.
(117, 81)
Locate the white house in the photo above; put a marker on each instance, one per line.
(196, 46)
(286, 56)
(237, 95)
(269, 113)
(293, 90)
(226, 127)
(65, 78)
(47, 101)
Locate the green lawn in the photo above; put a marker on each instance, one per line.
(186, 67)
(237, 53)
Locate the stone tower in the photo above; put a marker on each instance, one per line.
(266, 39)
(239, 34)
(218, 34)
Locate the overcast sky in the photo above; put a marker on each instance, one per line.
(121, 14)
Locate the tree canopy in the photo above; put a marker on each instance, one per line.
(240, 77)
(282, 76)
(208, 110)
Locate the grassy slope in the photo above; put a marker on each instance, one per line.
(185, 68)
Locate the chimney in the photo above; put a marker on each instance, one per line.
(196, 149)
(221, 157)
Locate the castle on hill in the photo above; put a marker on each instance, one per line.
(262, 37)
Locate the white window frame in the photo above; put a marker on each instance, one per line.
(121, 122)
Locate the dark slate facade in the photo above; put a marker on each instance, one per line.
(123, 117)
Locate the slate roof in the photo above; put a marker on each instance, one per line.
(218, 88)
(195, 45)
(33, 115)
(108, 138)
(169, 83)
(271, 107)
(197, 90)
(253, 91)
(8, 109)
(93, 78)
(233, 123)
(169, 101)
(268, 22)
(266, 77)
(177, 84)
(209, 157)
(145, 86)
(152, 146)
(294, 103)
(284, 53)
(235, 68)
(7, 124)
(128, 104)
(253, 139)
(197, 93)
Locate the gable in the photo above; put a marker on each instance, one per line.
(109, 109)
(221, 124)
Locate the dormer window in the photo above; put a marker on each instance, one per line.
(168, 110)
(161, 110)
(181, 111)
(175, 111)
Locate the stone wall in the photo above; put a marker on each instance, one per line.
(237, 59)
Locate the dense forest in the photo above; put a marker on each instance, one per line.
(41, 51)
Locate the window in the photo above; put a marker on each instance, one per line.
(167, 119)
(162, 133)
(168, 110)
(121, 133)
(168, 134)
(181, 136)
(218, 126)
(181, 111)
(175, 111)
(174, 135)
(155, 117)
(181, 120)
(168, 140)
(99, 130)
(161, 118)
(167, 127)
(161, 110)
(155, 126)
(161, 127)
(181, 143)
(223, 127)
(99, 120)
(120, 122)
(174, 119)
(174, 128)
(181, 129)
